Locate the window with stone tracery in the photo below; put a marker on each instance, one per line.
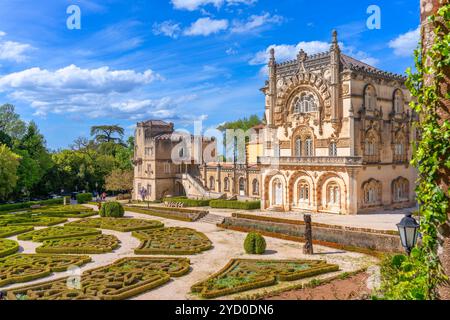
(309, 147)
(371, 148)
(333, 194)
(398, 101)
(303, 191)
(333, 149)
(400, 189)
(255, 186)
(370, 98)
(305, 103)
(372, 192)
(400, 151)
(298, 147)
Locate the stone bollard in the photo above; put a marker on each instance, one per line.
(308, 247)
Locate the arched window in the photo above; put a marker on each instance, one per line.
(226, 184)
(306, 103)
(303, 191)
(398, 101)
(400, 152)
(212, 183)
(298, 147)
(371, 148)
(333, 149)
(255, 186)
(241, 185)
(400, 189)
(372, 192)
(277, 193)
(309, 147)
(333, 194)
(370, 99)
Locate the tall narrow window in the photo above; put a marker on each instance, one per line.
(309, 147)
(398, 101)
(298, 147)
(370, 99)
(333, 149)
(212, 183)
(255, 186)
(226, 184)
(303, 191)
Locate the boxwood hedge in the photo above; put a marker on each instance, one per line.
(234, 204)
(188, 202)
(84, 197)
(8, 247)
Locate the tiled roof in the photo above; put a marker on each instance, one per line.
(156, 123)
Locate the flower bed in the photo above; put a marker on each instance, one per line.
(242, 275)
(117, 224)
(102, 243)
(171, 241)
(181, 214)
(10, 231)
(58, 233)
(131, 277)
(8, 247)
(28, 267)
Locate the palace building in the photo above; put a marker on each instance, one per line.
(337, 139)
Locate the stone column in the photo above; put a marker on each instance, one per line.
(428, 8)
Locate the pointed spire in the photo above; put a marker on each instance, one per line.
(272, 57)
(334, 41)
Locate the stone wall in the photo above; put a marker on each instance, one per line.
(342, 236)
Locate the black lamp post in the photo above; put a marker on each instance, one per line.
(408, 229)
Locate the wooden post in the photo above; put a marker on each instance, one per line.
(427, 9)
(308, 247)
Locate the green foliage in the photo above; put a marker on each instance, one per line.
(171, 241)
(10, 122)
(28, 267)
(101, 243)
(182, 214)
(188, 202)
(59, 232)
(233, 204)
(431, 155)
(9, 162)
(8, 247)
(404, 278)
(10, 231)
(27, 205)
(242, 275)
(112, 209)
(119, 180)
(254, 243)
(84, 197)
(132, 276)
(122, 225)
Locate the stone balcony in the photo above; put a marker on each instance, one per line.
(311, 161)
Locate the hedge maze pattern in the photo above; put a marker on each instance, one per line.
(242, 275)
(171, 241)
(28, 220)
(101, 243)
(123, 279)
(118, 224)
(10, 231)
(8, 247)
(28, 267)
(58, 233)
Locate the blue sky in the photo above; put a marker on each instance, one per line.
(177, 60)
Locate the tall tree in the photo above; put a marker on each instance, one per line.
(105, 133)
(119, 180)
(9, 162)
(10, 122)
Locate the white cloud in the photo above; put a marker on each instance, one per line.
(13, 51)
(405, 44)
(192, 5)
(167, 28)
(90, 92)
(286, 52)
(206, 26)
(256, 22)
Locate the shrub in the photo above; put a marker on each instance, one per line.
(254, 243)
(27, 205)
(233, 204)
(84, 197)
(112, 209)
(189, 202)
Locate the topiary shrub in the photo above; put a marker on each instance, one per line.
(84, 197)
(255, 243)
(234, 204)
(112, 209)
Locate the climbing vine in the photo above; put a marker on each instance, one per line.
(432, 152)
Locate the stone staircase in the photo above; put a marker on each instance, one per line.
(212, 219)
(194, 188)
